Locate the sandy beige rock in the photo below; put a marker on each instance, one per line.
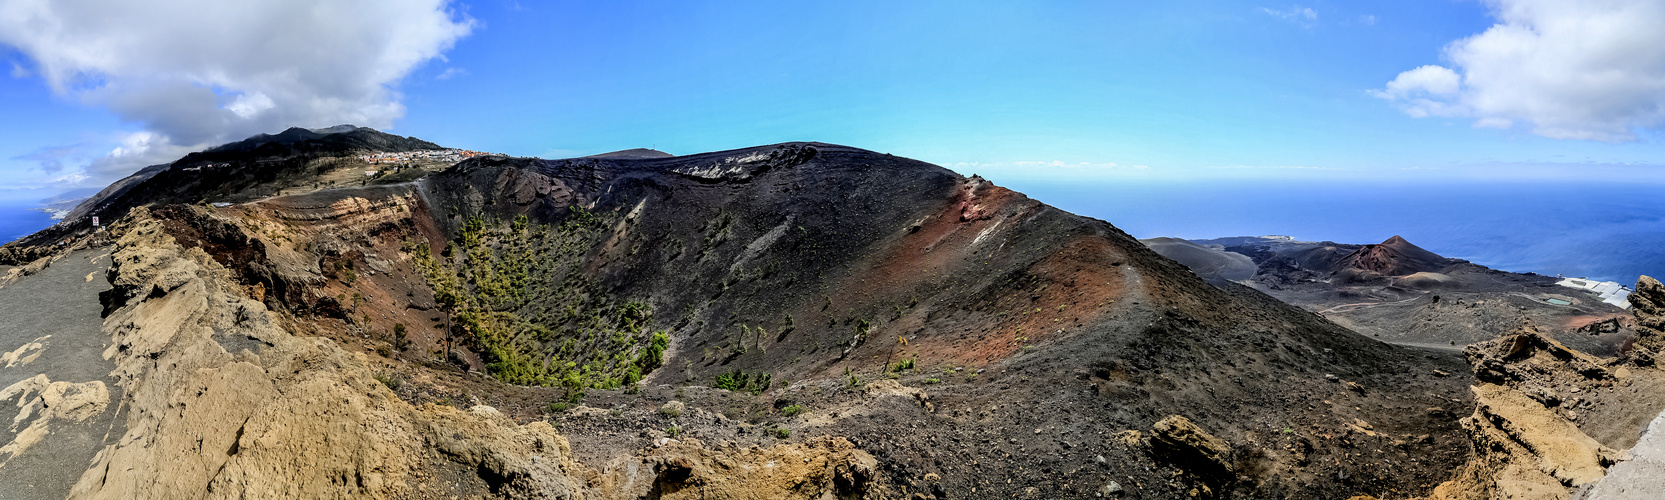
(43, 402)
(1178, 440)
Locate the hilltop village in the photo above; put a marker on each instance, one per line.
(449, 156)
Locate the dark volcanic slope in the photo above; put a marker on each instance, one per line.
(1394, 257)
(299, 141)
(1401, 293)
(634, 154)
(811, 261)
(1212, 264)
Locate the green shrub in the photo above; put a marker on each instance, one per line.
(740, 381)
(781, 432)
(558, 407)
(792, 411)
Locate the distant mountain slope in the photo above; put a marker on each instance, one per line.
(1210, 263)
(1394, 257)
(636, 154)
(300, 141)
(113, 191)
(1403, 293)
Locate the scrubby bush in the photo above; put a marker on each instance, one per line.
(740, 381)
(792, 411)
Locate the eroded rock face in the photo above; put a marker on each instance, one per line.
(1647, 305)
(1542, 413)
(1536, 365)
(287, 416)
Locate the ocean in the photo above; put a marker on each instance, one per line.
(1610, 232)
(19, 220)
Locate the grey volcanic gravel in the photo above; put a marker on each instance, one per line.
(62, 302)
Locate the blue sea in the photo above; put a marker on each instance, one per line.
(1612, 232)
(19, 220)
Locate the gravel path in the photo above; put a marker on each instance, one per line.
(53, 318)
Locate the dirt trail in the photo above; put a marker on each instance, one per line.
(56, 385)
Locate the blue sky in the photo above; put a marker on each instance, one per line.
(1022, 92)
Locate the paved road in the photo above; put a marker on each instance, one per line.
(58, 309)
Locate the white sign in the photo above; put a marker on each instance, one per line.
(95, 221)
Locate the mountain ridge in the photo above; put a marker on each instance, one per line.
(898, 327)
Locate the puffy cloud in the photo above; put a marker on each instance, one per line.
(1424, 91)
(199, 72)
(1294, 12)
(1592, 70)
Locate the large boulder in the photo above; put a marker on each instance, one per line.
(1181, 442)
(1647, 305)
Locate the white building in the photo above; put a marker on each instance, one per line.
(1609, 291)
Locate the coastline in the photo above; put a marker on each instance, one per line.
(17, 221)
(54, 213)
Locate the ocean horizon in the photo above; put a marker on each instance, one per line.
(1603, 231)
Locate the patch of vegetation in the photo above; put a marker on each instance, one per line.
(781, 432)
(516, 294)
(392, 382)
(740, 381)
(899, 366)
(792, 411)
(559, 407)
(672, 431)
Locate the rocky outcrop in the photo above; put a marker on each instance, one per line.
(221, 402)
(1523, 450)
(1536, 365)
(1542, 414)
(1647, 305)
(1177, 440)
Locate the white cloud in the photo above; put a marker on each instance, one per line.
(1368, 20)
(1425, 91)
(450, 73)
(248, 105)
(199, 72)
(18, 71)
(1294, 12)
(1591, 70)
